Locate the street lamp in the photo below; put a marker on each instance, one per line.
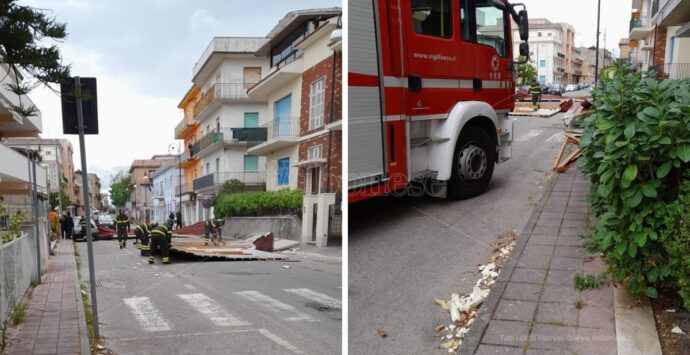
(172, 149)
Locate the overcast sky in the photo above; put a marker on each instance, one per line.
(142, 54)
(582, 14)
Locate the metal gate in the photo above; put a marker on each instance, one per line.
(315, 219)
(335, 224)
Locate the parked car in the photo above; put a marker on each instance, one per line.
(554, 89)
(106, 220)
(571, 87)
(78, 234)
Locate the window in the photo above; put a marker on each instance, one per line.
(491, 29)
(432, 18)
(251, 119)
(217, 165)
(538, 34)
(316, 103)
(314, 152)
(251, 163)
(542, 63)
(542, 79)
(208, 168)
(283, 171)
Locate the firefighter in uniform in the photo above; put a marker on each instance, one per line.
(212, 226)
(82, 224)
(160, 237)
(535, 90)
(122, 226)
(142, 234)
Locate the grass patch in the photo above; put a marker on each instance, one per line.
(18, 314)
(585, 282)
(556, 324)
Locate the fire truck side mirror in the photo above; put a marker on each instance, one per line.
(524, 50)
(523, 25)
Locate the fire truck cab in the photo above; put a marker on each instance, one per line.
(430, 88)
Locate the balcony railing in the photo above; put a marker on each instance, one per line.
(655, 7)
(246, 177)
(223, 91)
(282, 128)
(677, 71)
(233, 135)
(184, 188)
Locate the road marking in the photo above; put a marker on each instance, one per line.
(189, 287)
(555, 138)
(316, 297)
(529, 135)
(206, 306)
(280, 341)
(155, 267)
(146, 314)
(167, 336)
(274, 305)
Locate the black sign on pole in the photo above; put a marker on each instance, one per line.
(89, 105)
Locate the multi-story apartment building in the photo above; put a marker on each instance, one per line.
(229, 119)
(303, 91)
(164, 182)
(590, 61)
(624, 49)
(641, 34)
(56, 157)
(14, 169)
(667, 26)
(94, 192)
(140, 201)
(568, 49)
(546, 49)
(189, 130)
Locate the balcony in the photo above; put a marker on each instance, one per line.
(181, 131)
(672, 13)
(231, 136)
(677, 71)
(11, 123)
(281, 133)
(207, 182)
(640, 27)
(185, 188)
(220, 93)
(278, 77)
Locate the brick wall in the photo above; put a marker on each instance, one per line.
(322, 70)
(331, 174)
(660, 48)
(331, 142)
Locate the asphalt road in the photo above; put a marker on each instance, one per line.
(216, 307)
(406, 252)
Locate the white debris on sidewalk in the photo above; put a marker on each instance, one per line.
(463, 308)
(677, 330)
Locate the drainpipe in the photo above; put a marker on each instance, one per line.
(330, 120)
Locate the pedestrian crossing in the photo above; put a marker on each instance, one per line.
(556, 137)
(150, 318)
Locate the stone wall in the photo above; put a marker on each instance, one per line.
(18, 267)
(286, 227)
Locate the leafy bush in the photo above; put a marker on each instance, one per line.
(637, 147)
(678, 243)
(281, 202)
(13, 229)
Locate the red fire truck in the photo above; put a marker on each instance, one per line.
(430, 87)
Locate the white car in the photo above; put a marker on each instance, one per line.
(571, 87)
(77, 234)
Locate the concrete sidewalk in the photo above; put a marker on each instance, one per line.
(54, 322)
(534, 308)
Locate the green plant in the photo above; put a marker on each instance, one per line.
(678, 244)
(18, 314)
(636, 149)
(585, 282)
(13, 229)
(281, 202)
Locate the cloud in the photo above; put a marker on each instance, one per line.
(202, 18)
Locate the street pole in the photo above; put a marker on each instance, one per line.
(179, 173)
(87, 208)
(34, 206)
(596, 61)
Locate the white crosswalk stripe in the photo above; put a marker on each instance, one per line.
(316, 297)
(528, 135)
(274, 305)
(555, 138)
(209, 308)
(148, 316)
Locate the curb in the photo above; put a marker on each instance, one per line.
(83, 329)
(635, 327)
(471, 341)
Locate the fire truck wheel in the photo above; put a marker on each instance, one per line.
(473, 163)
